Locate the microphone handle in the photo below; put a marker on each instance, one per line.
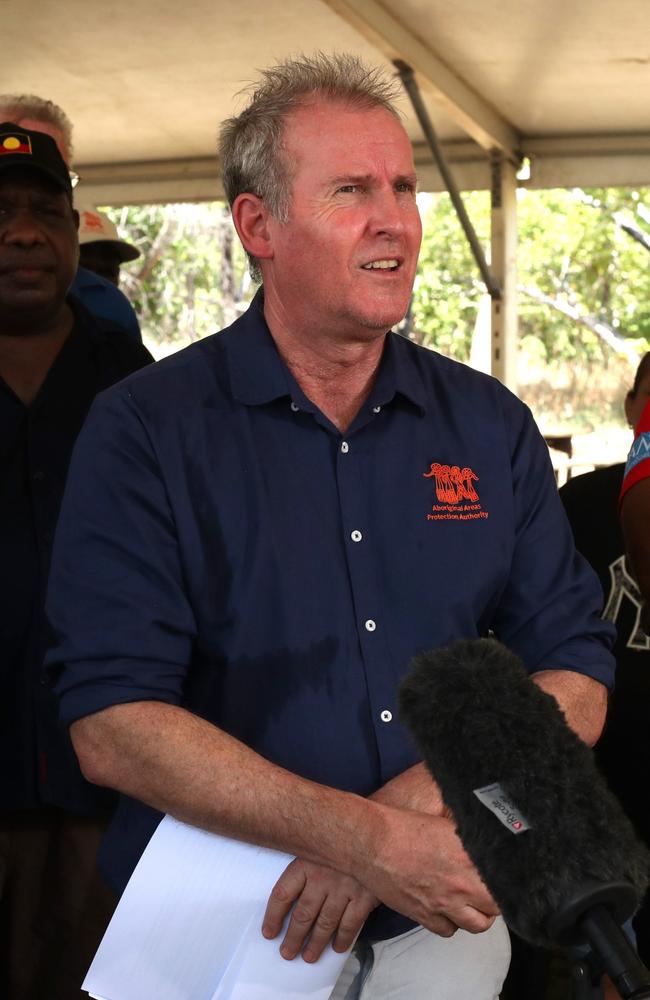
(615, 954)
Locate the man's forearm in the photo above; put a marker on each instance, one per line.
(184, 766)
(582, 699)
(414, 789)
(180, 764)
(583, 702)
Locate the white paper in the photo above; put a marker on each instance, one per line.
(188, 927)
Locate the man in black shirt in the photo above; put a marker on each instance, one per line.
(623, 752)
(54, 358)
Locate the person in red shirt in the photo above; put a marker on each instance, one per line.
(635, 491)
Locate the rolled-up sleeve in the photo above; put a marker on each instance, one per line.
(550, 610)
(122, 623)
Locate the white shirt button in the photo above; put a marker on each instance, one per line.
(295, 407)
(370, 625)
(345, 447)
(386, 716)
(356, 536)
(376, 409)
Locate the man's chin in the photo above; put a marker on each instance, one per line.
(28, 319)
(383, 320)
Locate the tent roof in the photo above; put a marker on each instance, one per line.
(146, 83)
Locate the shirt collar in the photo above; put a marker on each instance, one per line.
(399, 374)
(258, 374)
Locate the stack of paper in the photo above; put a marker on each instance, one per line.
(188, 927)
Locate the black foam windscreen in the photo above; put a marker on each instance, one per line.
(532, 811)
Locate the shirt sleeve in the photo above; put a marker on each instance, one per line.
(550, 610)
(638, 459)
(122, 623)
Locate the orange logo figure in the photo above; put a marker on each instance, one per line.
(91, 221)
(453, 484)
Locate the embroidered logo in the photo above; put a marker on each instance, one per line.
(15, 142)
(456, 494)
(92, 222)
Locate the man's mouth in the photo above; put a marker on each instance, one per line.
(387, 264)
(26, 271)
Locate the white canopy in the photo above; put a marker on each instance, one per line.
(146, 82)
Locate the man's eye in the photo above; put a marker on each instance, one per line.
(50, 209)
(349, 188)
(404, 186)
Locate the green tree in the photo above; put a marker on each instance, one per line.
(448, 286)
(572, 249)
(192, 278)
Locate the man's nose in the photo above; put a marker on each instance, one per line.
(22, 228)
(387, 213)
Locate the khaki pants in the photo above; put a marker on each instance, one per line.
(54, 907)
(419, 965)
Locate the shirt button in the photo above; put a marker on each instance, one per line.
(345, 447)
(370, 625)
(356, 536)
(38, 476)
(376, 409)
(295, 407)
(386, 716)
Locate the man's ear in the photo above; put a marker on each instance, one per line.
(250, 216)
(628, 408)
(75, 216)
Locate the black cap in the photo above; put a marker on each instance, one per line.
(21, 147)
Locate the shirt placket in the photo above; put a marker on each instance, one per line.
(371, 623)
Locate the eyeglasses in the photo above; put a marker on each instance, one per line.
(74, 178)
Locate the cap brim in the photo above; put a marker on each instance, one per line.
(124, 251)
(13, 163)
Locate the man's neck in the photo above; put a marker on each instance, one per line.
(26, 358)
(335, 374)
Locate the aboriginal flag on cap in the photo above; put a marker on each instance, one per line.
(14, 142)
(22, 148)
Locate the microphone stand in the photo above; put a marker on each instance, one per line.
(593, 917)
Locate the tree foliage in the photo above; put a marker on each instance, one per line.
(573, 248)
(192, 278)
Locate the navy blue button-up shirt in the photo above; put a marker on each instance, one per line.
(223, 546)
(38, 766)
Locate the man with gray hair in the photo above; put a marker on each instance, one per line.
(99, 295)
(252, 549)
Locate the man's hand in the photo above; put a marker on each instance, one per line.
(329, 906)
(421, 870)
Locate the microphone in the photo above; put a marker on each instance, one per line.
(550, 841)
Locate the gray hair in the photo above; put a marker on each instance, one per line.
(13, 107)
(251, 145)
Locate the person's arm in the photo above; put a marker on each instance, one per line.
(583, 702)
(634, 506)
(371, 851)
(635, 522)
(582, 699)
